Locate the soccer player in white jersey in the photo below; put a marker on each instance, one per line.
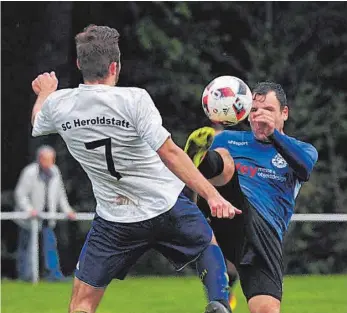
(137, 173)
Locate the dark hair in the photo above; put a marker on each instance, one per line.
(97, 47)
(263, 88)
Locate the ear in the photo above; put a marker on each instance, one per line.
(78, 64)
(285, 113)
(113, 68)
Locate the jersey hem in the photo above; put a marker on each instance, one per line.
(127, 220)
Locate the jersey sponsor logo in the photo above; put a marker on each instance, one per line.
(270, 174)
(94, 121)
(278, 161)
(252, 171)
(238, 143)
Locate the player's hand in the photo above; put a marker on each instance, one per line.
(45, 83)
(34, 213)
(221, 208)
(263, 123)
(36, 86)
(71, 215)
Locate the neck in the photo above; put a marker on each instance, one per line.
(44, 169)
(109, 81)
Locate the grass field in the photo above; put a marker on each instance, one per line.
(302, 294)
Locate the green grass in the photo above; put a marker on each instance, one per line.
(302, 294)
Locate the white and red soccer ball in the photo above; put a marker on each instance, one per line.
(227, 100)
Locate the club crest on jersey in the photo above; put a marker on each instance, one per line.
(278, 161)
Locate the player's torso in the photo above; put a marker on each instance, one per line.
(265, 177)
(126, 174)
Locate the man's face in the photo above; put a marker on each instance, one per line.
(270, 103)
(46, 159)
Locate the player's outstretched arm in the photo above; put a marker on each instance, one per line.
(43, 86)
(182, 166)
(300, 158)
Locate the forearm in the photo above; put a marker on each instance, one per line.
(300, 161)
(64, 205)
(41, 98)
(181, 165)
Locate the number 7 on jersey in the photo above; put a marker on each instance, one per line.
(108, 154)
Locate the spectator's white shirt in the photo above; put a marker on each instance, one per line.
(114, 133)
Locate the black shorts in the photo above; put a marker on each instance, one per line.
(112, 248)
(250, 243)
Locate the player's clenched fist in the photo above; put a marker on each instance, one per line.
(263, 123)
(45, 83)
(221, 208)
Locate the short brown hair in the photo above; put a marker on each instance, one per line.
(97, 47)
(263, 88)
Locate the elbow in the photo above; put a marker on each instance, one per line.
(305, 168)
(304, 176)
(304, 173)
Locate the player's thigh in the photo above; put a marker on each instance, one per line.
(261, 267)
(183, 233)
(85, 298)
(110, 250)
(257, 280)
(264, 304)
(230, 236)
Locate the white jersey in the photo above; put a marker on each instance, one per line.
(114, 133)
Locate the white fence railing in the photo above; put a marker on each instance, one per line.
(89, 216)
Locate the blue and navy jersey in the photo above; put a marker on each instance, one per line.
(267, 180)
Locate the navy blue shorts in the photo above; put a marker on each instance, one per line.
(112, 248)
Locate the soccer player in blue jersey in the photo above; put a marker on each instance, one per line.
(267, 169)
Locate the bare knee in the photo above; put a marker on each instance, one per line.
(85, 298)
(228, 170)
(264, 304)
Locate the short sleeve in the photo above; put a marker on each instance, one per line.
(43, 124)
(148, 122)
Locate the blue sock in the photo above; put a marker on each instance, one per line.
(213, 273)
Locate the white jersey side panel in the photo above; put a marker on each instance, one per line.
(114, 133)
